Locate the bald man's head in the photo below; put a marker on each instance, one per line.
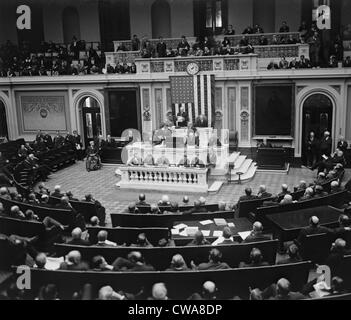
(283, 286)
(77, 233)
(209, 289)
(159, 291)
(257, 226)
(314, 221)
(102, 236)
(40, 260)
(74, 257)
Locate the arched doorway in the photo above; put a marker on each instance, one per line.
(161, 19)
(3, 122)
(317, 116)
(71, 24)
(91, 118)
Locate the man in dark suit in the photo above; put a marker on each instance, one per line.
(256, 234)
(197, 208)
(57, 192)
(161, 48)
(326, 144)
(182, 118)
(248, 196)
(77, 238)
(214, 262)
(201, 121)
(142, 201)
(256, 260)
(311, 150)
(74, 262)
(64, 204)
(342, 144)
(262, 193)
(281, 291)
(313, 228)
(134, 262)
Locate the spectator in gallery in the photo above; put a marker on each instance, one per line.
(304, 63)
(183, 46)
(182, 117)
(347, 62)
(283, 63)
(135, 43)
(196, 161)
(272, 65)
(256, 260)
(291, 39)
(257, 29)
(214, 262)
(333, 62)
(263, 41)
(315, 48)
(284, 27)
(248, 30)
(256, 234)
(161, 48)
(275, 40)
(230, 31)
(293, 64)
(244, 42)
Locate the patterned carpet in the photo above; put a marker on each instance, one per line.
(102, 185)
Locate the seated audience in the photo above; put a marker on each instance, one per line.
(262, 193)
(178, 264)
(256, 260)
(142, 241)
(99, 264)
(199, 240)
(102, 240)
(256, 234)
(134, 262)
(77, 238)
(226, 238)
(74, 262)
(209, 291)
(293, 255)
(281, 291)
(214, 262)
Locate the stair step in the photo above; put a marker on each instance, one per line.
(215, 187)
(244, 167)
(248, 175)
(238, 163)
(233, 157)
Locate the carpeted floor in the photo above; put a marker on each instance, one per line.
(102, 185)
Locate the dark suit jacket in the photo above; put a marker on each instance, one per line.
(79, 242)
(311, 230)
(264, 195)
(213, 266)
(256, 238)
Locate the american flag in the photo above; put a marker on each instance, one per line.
(195, 93)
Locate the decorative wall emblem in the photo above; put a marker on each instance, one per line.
(244, 64)
(145, 67)
(169, 67)
(217, 65)
(218, 115)
(244, 115)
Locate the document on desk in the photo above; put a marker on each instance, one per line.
(180, 226)
(206, 222)
(183, 233)
(191, 231)
(231, 225)
(206, 233)
(220, 221)
(244, 234)
(175, 232)
(217, 233)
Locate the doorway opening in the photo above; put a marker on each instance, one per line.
(91, 115)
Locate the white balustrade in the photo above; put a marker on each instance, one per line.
(164, 178)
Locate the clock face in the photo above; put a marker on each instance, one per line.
(192, 68)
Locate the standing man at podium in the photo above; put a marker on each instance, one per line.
(182, 117)
(201, 121)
